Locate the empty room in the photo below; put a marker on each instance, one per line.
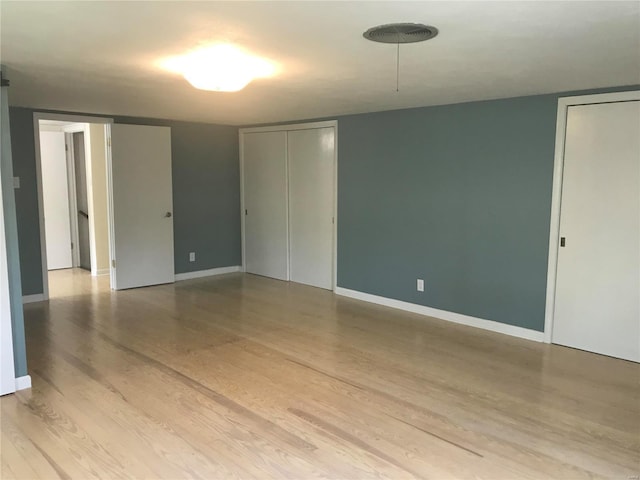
(320, 239)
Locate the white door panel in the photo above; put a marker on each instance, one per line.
(142, 206)
(311, 198)
(265, 201)
(597, 304)
(55, 196)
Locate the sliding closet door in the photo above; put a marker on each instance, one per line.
(266, 245)
(311, 205)
(597, 303)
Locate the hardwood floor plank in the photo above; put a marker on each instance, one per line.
(243, 377)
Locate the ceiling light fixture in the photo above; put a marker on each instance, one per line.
(219, 68)
(400, 33)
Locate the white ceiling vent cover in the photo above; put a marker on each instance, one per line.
(400, 33)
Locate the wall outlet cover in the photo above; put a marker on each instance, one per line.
(420, 285)
(192, 256)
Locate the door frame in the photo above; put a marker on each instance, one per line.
(556, 196)
(37, 116)
(285, 128)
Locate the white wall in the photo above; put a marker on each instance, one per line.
(97, 177)
(55, 193)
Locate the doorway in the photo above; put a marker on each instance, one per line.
(593, 296)
(72, 166)
(128, 211)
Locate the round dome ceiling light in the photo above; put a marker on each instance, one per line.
(400, 33)
(219, 68)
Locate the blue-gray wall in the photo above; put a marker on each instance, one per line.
(458, 195)
(11, 237)
(206, 196)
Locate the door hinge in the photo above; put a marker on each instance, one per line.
(66, 147)
(108, 141)
(113, 263)
(246, 212)
(71, 245)
(333, 220)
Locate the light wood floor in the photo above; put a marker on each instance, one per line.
(245, 377)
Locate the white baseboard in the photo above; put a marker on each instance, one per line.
(38, 297)
(445, 315)
(103, 271)
(207, 273)
(23, 382)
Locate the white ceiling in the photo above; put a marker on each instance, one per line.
(100, 57)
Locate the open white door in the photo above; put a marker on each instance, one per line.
(141, 206)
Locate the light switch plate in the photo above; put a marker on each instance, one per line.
(420, 285)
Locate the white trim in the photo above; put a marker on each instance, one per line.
(243, 265)
(293, 126)
(335, 207)
(444, 315)
(110, 220)
(556, 196)
(103, 271)
(286, 128)
(75, 128)
(23, 382)
(207, 273)
(37, 116)
(38, 297)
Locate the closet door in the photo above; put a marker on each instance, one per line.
(597, 305)
(264, 169)
(311, 205)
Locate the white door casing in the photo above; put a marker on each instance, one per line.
(597, 285)
(264, 172)
(141, 201)
(311, 163)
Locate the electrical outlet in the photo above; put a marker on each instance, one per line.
(192, 256)
(420, 285)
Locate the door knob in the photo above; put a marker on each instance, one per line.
(168, 214)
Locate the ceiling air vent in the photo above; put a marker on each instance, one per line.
(400, 33)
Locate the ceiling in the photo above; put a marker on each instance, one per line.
(102, 57)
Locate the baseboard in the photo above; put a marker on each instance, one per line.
(459, 318)
(103, 271)
(38, 297)
(23, 383)
(206, 273)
